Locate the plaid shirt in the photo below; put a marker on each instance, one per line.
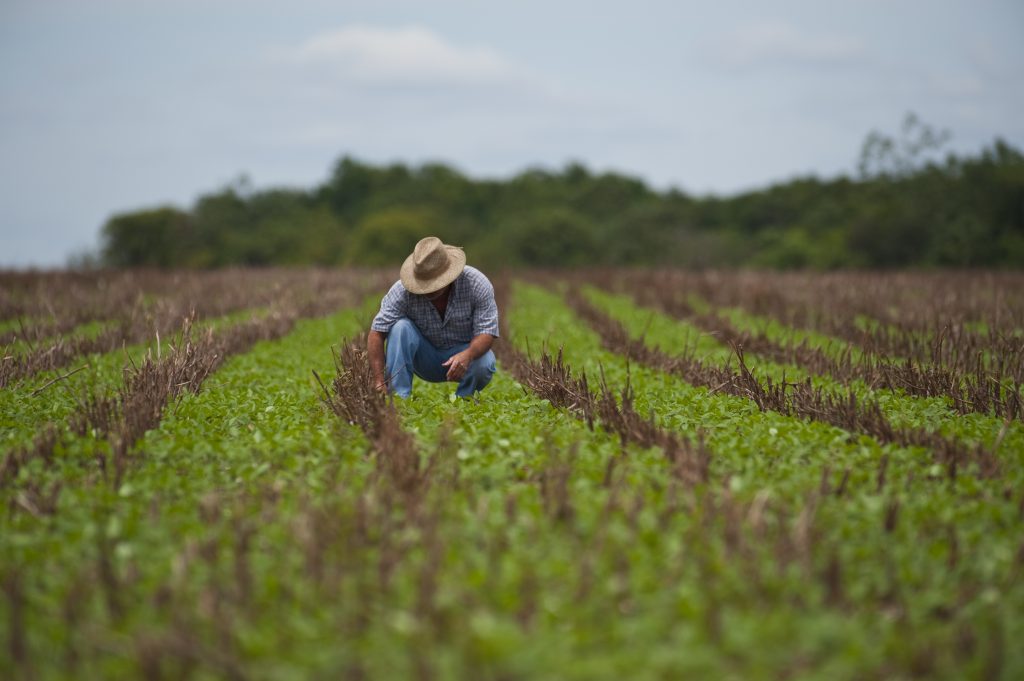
(471, 311)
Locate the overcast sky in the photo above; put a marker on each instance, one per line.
(108, 105)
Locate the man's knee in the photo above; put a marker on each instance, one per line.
(403, 328)
(404, 334)
(483, 368)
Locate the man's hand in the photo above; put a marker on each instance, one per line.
(458, 364)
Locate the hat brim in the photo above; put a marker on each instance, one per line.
(412, 284)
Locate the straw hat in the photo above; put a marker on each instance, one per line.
(432, 266)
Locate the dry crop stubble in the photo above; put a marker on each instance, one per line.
(975, 313)
(161, 300)
(979, 373)
(148, 387)
(800, 399)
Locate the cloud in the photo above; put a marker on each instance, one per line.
(410, 55)
(957, 85)
(406, 91)
(776, 42)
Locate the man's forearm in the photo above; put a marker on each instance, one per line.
(375, 353)
(479, 346)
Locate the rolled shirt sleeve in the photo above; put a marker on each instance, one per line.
(392, 308)
(485, 308)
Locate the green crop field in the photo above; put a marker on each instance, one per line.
(672, 475)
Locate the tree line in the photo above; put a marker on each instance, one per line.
(905, 207)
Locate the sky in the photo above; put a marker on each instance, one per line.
(109, 106)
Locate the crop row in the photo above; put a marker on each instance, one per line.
(948, 319)
(890, 416)
(839, 303)
(119, 412)
(975, 380)
(111, 310)
(36, 306)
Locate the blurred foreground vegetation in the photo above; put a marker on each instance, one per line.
(907, 206)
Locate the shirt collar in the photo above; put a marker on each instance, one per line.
(456, 288)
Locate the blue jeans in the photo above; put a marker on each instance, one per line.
(408, 353)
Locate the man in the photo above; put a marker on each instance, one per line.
(439, 320)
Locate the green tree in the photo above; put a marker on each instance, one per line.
(146, 238)
(387, 237)
(905, 208)
(556, 237)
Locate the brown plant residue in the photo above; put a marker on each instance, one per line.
(355, 398)
(928, 349)
(123, 301)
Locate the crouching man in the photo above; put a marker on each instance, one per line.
(439, 321)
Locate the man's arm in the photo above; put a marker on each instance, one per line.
(459, 362)
(375, 353)
(392, 308)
